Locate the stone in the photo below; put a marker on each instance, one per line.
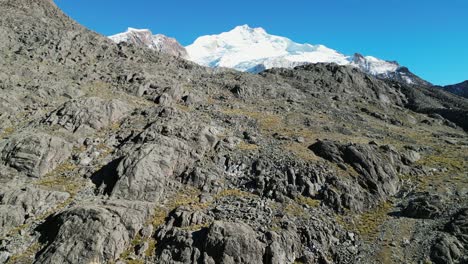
(233, 243)
(92, 233)
(83, 116)
(423, 206)
(34, 154)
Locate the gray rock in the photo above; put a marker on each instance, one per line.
(143, 174)
(34, 154)
(377, 169)
(410, 156)
(423, 206)
(458, 226)
(92, 233)
(233, 243)
(446, 250)
(10, 216)
(86, 115)
(34, 201)
(282, 248)
(20, 204)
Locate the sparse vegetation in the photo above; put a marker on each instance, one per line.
(246, 146)
(367, 224)
(295, 210)
(7, 132)
(307, 201)
(232, 192)
(59, 179)
(25, 257)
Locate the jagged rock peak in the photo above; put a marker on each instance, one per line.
(145, 38)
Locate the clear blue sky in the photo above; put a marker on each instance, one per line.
(428, 36)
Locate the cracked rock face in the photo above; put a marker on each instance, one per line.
(91, 233)
(19, 205)
(88, 115)
(35, 154)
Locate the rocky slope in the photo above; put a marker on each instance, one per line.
(110, 153)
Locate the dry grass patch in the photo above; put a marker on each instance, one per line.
(307, 201)
(25, 257)
(246, 146)
(7, 132)
(232, 192)
(368, 223)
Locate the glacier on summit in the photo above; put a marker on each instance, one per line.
(254, 50)
(248, 49)
(245, 49)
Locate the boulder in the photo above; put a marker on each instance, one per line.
(34, 154)
(143, 173)
(282, 248)
(233, 243)
(458, 226)
(87, 115)
(423, 206)
(17, 205)
(92, 233)
(377, 173)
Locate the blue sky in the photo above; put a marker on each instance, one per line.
(428, 36)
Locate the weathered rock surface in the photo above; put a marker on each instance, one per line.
(377, 168)
(446, 250)
(424, 206)
(19, 205)
(88, 115)
(92, 233)
(232, 243)
(459, 226)
(34, 154)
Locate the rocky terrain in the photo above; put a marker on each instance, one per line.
(110, 153)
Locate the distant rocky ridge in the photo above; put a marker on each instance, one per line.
(460, 89)
(113, 153)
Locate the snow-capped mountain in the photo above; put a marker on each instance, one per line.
(144, 37)
(254, 50)
(245, 49)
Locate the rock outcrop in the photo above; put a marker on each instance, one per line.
(110, 153)
(34, 154)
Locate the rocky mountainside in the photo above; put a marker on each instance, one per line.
(460, 89)
(145, 38)
(110, 153)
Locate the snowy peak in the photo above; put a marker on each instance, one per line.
(245, 48)
(145, 38)
(253, 50)
(373, 65)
